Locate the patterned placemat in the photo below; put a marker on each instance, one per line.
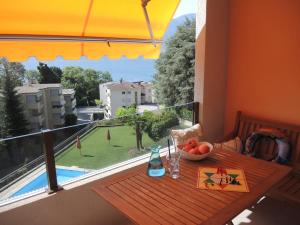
(222, 179)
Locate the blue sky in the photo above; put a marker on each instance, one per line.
(186, 7)
(118, 68)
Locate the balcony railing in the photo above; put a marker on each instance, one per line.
(73, 151)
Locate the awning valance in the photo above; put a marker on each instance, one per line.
(92, 28)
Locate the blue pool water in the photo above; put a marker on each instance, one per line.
(63, 175)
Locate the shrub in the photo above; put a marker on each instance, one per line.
(70, 119)
(186, 114)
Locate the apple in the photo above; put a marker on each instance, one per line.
(194, 151)
(203, 149)
(187, 147)
(193, 143)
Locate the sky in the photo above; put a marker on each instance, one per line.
(185, 7)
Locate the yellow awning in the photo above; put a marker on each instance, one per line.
(46, 29)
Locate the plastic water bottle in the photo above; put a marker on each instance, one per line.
(155, 165)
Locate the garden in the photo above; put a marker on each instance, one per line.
(116, 141)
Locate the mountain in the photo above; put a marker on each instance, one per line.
(128, 69)
(175, 22)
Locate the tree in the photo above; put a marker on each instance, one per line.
(49, 75)
(33, 75)
(16, 71)
(14, 122)
(129, 116)
(174, 78)
(2, 121)
(78, 144)
(158, 125)
(99, 102)
(85, 83)
(108, 137)
(155, 125)
(105, 77)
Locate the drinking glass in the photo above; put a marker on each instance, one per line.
(173, 164)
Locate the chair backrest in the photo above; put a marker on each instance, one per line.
(246, 124)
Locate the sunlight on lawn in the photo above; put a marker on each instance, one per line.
(97, 152)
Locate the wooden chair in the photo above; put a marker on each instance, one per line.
(289, 188)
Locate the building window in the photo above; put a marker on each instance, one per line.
(56, 104)
(128, 92)
(123, 92)
(56, 116)
(54, 92)
(30, 99)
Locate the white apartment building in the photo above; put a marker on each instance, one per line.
(44, 105)
(124, 94)
(147, 92)
(119, 94)
(70, 101)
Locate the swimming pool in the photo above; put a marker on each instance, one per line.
(63, 175)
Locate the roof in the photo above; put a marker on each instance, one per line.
(41, 86)
(27, 90)
(35, 88)
(68, 91)
(121, 85)
(50, 28)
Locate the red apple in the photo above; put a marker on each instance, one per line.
(194, 151)
(203, 149)
(187, 147)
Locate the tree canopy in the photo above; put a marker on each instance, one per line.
(174, 78)
(85, 82)
(156, 125)
(16, 71)
(33, 75)
(49, 74)
(13, 121)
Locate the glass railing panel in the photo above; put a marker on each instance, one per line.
(85, 148)
(21, 163)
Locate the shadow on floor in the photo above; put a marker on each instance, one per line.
(270, 211)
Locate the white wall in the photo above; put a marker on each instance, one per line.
(77, 206)
(119, 100)
(102, 92)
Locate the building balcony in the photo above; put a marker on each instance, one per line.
(60, 109)
(58, 98)
(238, 66)
(59, 121)
(35, 105)
(77, 193)
(37, 119)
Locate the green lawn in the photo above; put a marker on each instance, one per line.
(97, 152)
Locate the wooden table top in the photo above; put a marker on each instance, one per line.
(147, 200)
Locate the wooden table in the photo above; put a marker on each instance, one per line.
(147, 200)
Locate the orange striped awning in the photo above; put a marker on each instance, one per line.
(92, 28)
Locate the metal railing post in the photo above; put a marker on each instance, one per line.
(196, 112)
(50, 162)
